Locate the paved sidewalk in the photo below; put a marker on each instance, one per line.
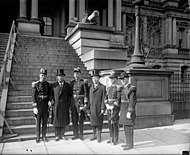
(160, 140)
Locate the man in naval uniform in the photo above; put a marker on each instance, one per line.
(40, 98)
(113, 107)
(127, 113)
(79, 103)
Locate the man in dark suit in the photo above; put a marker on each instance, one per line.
(40, 98)
(79, 103)
(127, 113)
(61, 98)
(97, 106)
(113, 99)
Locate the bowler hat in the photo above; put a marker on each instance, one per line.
(77, 69)
(43, 71)
(123, 75)
(113, 75)
(60, 72)
(95, 73)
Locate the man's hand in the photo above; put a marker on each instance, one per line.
(128, 115)
(107, 106)
(111, 107)
(115, 103)
(49, 104)
(101, 113)
(35, 110)
(74, 96)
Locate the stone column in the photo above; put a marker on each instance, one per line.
(118, 15)
(104, 21)
(163, 33)
(110, 13)
(71, 9)
(81, 9)
(34, 10)
(22, 10)
(124, 17)
(169, 31)
(62, 21)
(145, 30)
(174, 39)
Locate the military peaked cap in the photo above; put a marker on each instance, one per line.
(43, 71)
(123, 75)
(113, 75)
(77, 69)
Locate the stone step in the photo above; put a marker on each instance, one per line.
(14, 99)
(50, 136)
(19, 105)
(19, 113)
(15, 121)
(30, 129)
(20, 92)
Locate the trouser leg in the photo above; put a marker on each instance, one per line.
(110, 131)
(99, 138)
(129, 135)
(38, 124)
(115, 133)
(44, 123)
(81, 123)
(74, 116)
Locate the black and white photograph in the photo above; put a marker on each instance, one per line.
(95, 77)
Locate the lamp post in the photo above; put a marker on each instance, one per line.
(137, 57)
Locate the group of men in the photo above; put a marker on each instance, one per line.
(84, 101)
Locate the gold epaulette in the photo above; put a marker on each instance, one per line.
(34, 83)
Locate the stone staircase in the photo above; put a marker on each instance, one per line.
(33, 53)
(3, 45)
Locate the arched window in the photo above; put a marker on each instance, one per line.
(47, 26)
(184, 72)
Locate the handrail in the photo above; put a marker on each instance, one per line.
(11, 40)
(5, 73)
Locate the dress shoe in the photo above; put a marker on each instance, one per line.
(108, 141)
(127, 148)
(37, 140)
(81, 138)
(56, 138)
(45, 139)
(93, 138)
(124, 145)
(75, 137)
(65, 138)
(115, 143)
(99, 140)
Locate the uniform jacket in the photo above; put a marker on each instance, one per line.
(128, 98)
(113, 98)
(61, 97)
(41, 89)
(96, 103)
(79, 88)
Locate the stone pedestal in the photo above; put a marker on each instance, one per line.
(98, 47)
(29, 27)
(153, 107)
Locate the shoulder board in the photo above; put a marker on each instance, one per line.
(119, 88)
(132, 88)
(85, 81)
(34, 84)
